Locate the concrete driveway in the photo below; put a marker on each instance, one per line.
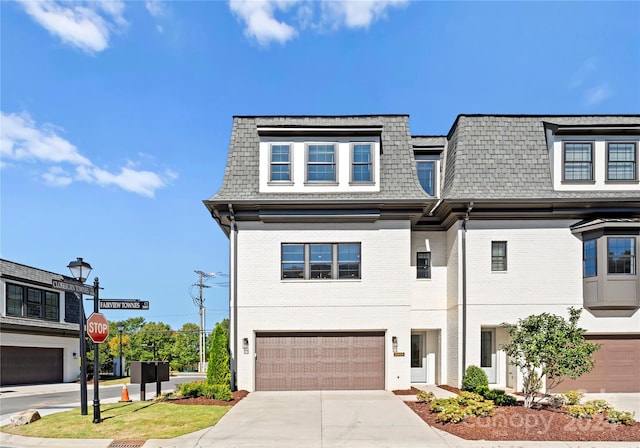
(315, 419)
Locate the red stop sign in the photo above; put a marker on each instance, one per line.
(97, 327)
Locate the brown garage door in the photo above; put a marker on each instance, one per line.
(30, 365)
(617, 364)
(319, 361)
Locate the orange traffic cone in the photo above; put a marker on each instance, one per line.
(125, 395)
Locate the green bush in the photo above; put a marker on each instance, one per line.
(581, 410)
(439, 404)
(573, 397)
(483, 408)
(474, 377)
(499, 397)
(192, 389)
(455, 410)
(425, 397)
(465, 397)
(222, 392)
(452, 413)
(621, 417)
(600, 405)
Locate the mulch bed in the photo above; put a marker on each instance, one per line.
(237, 396)
(519, 423)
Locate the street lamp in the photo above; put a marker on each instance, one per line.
(120, 328)
(80, 270)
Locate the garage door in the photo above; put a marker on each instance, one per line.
(30, 365)
(319, 361)
(617, 364)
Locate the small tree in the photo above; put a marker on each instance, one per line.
(548, 345)
(218, 370)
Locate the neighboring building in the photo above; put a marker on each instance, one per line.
(38, 327)
(362, 257)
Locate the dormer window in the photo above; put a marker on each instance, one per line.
(280, 163)
(361, 162)
(426, 167)
(621, 161)
(578, 161)
(321, 163)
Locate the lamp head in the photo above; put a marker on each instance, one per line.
(80, 269)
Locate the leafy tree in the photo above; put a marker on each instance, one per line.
(185, 351)
(548, 345)
(218, 370)
(152, 334)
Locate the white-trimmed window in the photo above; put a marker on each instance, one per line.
(621, 255)
(621, 161)
(578, 161)
(280, 163)
(498, 256)
(320, 261)
(426, 168)
(321, 162)
(361, 162)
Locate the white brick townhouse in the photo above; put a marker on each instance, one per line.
(362, 257)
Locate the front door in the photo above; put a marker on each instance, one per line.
(488, 353)
(418, 358)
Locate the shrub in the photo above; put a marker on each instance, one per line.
(222, 392)
(452, 413)
(581, 410)
(439, 404)
(474, 377)
(455, 410)
(480, 408)
(499, 397)
(573, 397)
(557, 400)
(192, 389)
(425, 397)
(465, 397)
(621, 417)
(218, 369)
(599, 405)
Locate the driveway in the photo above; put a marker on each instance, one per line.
(315, 419)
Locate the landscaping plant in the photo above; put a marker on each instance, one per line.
(547, 345)
(474, 378)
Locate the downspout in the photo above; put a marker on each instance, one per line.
(433, 210)
(464, 288)
(233, 230)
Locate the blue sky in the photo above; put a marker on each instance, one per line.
(116, 116)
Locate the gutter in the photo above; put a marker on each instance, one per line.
(464, 287)
(233, 291)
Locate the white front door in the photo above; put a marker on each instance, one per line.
(418, 358)
(488, 353)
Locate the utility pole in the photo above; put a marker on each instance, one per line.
(199, 301)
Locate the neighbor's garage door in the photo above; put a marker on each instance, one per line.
(30, 365)
(617, 364)
(319, 361)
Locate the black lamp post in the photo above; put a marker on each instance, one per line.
(96, 359)
(120, 328)
(80, 271)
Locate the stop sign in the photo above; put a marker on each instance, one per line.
(97, 327)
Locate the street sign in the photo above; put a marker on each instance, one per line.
(123, 304)
(73, 287)
(97, 328)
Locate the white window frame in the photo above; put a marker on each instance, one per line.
(635, 161)
(272, 163)
(335, 262)
(336, 160)
(353, 163)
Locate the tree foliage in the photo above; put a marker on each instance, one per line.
(185, 351)
(549, 345)
(218, 369)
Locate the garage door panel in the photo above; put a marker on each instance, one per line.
(617, 364)
(319, 361)
(30, 365)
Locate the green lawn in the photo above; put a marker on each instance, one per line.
(140, 420)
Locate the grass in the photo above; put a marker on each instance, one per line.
(141, 420)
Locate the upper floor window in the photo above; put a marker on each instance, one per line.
(362, 162)
(423, 264)
(578, 161)
(426, 167)
(621, 161)
(313, 261)
(498, 255)
(32, 302)
(590, 258)
(621, 255)
(321, 163)
(280, 164)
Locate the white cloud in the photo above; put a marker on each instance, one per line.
(21, 140)
(597, 94)
(259, 16)
(85, 25)
(156, 8)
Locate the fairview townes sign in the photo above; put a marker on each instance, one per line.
(120, 304)
(72, 287)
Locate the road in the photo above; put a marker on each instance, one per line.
(50, 397)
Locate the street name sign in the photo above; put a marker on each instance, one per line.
(72, 287)
(97, 328)
(123, 304)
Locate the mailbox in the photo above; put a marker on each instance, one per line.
(143, 372)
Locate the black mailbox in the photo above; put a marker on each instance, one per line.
(143, 372)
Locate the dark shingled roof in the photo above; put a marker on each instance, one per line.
(486, 157)
(506, 157)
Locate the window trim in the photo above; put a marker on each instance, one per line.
(585, 260)
(423, 268)
(501, 258)
(335, 163)
(591, 179)
(42, 303)
(434, 161)
(635, 162)
(272, 163)
(335, 262)
(632, 256)
(353, 164)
